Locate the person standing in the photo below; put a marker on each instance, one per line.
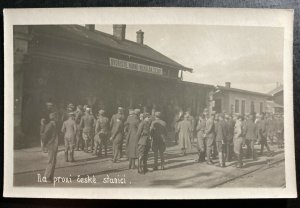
(238, 140)
(121, 116)
(229, 138)
(50, 139)
(130, 129)
(158, 133)
(44, 121)
(101, 134)
(185, 134)
(87, 125)
(201, 140)
(117, 137)
(262, 135)
(78, 115)
(178, 118)
(191, 119)
(221, 134)
(144, 143)
(210, 137)
(69, 129)
(279, 131)
(250, 137)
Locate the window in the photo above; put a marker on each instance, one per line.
(237, 105)
(243, 107)
(261, 109)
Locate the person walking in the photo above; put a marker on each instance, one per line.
(262, 135)
(158, 133)
(185, 134)
(50, 140)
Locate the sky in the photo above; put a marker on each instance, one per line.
(251, 58)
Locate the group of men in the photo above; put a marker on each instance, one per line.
(81, 131)
(224, 135)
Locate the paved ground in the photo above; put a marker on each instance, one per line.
(181, 172)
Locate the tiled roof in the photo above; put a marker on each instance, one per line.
(80, 33)
(276, 90)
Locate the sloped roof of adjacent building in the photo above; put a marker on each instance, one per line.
(80, 33)
(242, 91)
(276, 90)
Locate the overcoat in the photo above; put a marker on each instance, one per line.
(185, 134)
(131, 127)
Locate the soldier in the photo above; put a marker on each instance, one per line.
(65, 116)
(44, 121)
(87, 125)
(78, 115)
(178, 118)
(69, 130)
(117, 137)
(50, 139)
(158, 133)
(101, 134)
(144, 143)
(238, 140)
(130, 129)
(120, 114)
(201, 140)
(185, 134)
(270, 127)
(250, 137)
(210, 137)
(262, 134)
(221, 134)
(279, 131)
(229, 138)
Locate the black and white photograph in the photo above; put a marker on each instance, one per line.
(163, 105)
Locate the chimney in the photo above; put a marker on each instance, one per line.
(228, 84)
(90, 27)
(119, 31)
(140, 37)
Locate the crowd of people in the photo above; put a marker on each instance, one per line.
(219, 136)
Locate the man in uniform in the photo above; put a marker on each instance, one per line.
(50, 139)
(229, 138)
(44, 121)
(87, 125)
(250, 136)
(101, 133)
(238, 140)
(158, 133)
(121, 116)
(201, 140)
(78, 115)
(143, 135)
(279, 131)
(262, 135)
(221, 134)
(210, 137)
(117, 137)
(69, 129)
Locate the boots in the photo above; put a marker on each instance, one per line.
(140, 159)
(72, 156)
(239, 162)
(221, 160)
(130, 163)
(66, 156)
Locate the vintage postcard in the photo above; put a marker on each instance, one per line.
(149, 103)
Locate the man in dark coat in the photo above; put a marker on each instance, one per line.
(101, 134)
(144, 143)
(120, 115)
(158, 133)
(250, 137)
(50, 139)
(210, 137)
(87, 125)
(117, 137)
(221, 133)
(229, 122)
(130, 129)
(262, 135)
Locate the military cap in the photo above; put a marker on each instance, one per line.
(70, 105)
(157, 114)
(137, 111)
(53, 115)
(87, 109)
